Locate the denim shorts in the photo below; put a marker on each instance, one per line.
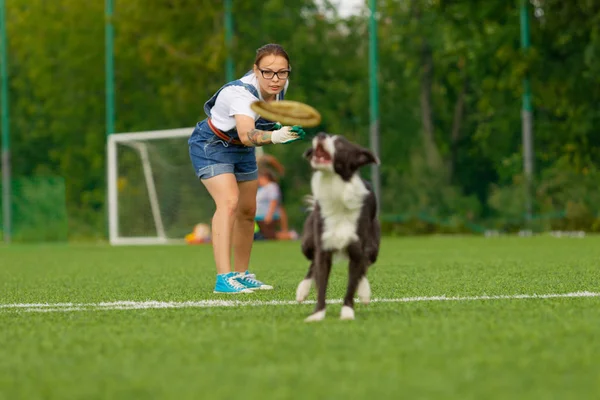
(212, 156)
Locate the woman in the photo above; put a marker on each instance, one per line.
(223, 157)
(270, 211)
(268, 204)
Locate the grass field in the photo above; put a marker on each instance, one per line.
(85, 342)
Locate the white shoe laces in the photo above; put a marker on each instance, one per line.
(235, 284)
(251, 278)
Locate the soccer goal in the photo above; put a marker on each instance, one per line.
(154, 196)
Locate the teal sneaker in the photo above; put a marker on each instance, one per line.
(249, 280)
(227, 283)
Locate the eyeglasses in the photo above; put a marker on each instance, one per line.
(267, 74)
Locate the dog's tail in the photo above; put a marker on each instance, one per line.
(310, 201)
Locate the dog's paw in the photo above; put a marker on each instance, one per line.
(303, 290)
(364, 291)
(347, 313)
(318, 316)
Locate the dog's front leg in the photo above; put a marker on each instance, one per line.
(304, 286)
(322, 269)
(308, 249)
(357, 270)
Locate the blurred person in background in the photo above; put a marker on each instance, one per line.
(269, 209)
(268, 161)
(222, 152)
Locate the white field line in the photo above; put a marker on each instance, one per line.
(139, 305)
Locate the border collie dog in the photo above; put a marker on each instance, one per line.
(342, 221)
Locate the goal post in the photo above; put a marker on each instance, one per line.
(149, 174)
(154, 196)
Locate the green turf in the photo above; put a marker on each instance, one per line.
(493, 349)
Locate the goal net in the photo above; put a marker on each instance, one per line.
(154, 196)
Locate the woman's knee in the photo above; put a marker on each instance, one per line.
(247, 209)
(228, 205)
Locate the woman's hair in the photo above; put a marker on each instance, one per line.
(267, 173)
(270, 49)
(269, 161)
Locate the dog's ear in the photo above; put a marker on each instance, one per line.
(308, 153)
(366, 157)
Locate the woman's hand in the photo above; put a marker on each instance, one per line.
(250, 136)
(272, 208)
(287, 134)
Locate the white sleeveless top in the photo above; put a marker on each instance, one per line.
(234, 100)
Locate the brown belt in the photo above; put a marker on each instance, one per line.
(223, 136)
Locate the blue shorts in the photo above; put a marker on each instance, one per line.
(212, 156)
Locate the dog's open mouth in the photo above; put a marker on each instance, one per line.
(320, 155)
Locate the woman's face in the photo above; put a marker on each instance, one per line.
(262, 180)
(272, 72)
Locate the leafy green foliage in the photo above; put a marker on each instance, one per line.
(451, 75)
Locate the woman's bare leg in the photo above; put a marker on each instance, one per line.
(243, 229)
(283, 218)
(225, 193)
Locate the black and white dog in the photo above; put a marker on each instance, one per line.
(343, 221)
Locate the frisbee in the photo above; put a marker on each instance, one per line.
(288, 112)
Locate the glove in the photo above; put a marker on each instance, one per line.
(287, 134)
(277, 126)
